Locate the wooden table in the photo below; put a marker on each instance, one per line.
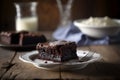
(108, 68)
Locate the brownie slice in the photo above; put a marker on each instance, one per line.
(58, 51)
(9, 37)
(32, 39)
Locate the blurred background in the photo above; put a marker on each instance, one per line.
(48, 13)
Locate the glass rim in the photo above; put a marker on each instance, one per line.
(25, 3)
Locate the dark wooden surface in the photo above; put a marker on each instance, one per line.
(108, 68)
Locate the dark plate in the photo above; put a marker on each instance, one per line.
(18, 47)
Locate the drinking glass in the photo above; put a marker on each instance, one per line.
(26, 16)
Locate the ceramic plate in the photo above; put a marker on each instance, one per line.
(85, 57)
(18, 47)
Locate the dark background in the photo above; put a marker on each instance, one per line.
(49, 16)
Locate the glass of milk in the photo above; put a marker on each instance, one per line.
(26, 16)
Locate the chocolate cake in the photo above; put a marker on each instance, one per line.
(9, 37)
(58, 51)
(30, 38)
(21, 38)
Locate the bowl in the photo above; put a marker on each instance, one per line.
(98, 31)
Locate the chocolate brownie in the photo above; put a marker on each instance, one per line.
(58, 51)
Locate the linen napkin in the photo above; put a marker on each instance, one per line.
(72, 33)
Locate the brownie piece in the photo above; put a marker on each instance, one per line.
(31, 38)
(9, 37)
(58, 51)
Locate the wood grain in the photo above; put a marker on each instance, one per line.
(108, 68)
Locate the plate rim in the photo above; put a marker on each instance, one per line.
(77, 23)
(16, 47)
(56, 63)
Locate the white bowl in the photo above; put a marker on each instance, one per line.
(97, 31)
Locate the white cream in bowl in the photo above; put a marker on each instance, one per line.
(98, 27)
(99, 21)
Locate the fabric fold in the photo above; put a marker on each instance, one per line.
(72, 33)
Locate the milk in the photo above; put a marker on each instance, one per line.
(27, 23)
